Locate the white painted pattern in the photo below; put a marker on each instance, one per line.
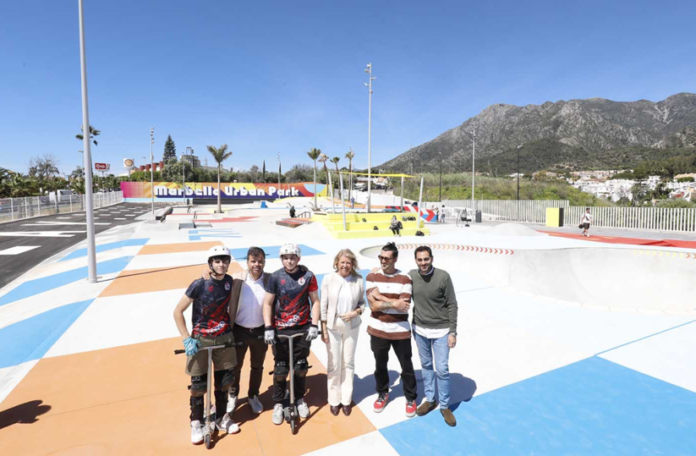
(19, 249)
(62, 223)
(39, 233)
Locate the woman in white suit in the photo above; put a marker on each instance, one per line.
(342, 303)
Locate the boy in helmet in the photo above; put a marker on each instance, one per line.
(210, 322)
(291, 306)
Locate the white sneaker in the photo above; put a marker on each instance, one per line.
(231, 403)
(302, 408)
(278, 414)
(255, 404)
(196, 432)
(226, 425)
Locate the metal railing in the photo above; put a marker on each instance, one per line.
(631, 218)
(37, 206)
(528, 211)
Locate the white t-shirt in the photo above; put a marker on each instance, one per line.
(586, 218)
(345, 297)
(250, 310)
(429, 333)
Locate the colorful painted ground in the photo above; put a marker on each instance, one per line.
(89, 369)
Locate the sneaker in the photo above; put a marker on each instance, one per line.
(302, 408)
(231, 403)
(449, 417)
(381, 402)
(410, 409)
(255, 404)
(425, 408)
(278, 414)
(196, 432)
(226, 425)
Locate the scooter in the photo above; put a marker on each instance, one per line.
(290, 412)
(209, 427)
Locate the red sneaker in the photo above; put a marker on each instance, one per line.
(381, 402)
(410, 409)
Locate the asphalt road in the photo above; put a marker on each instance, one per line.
(26, 243)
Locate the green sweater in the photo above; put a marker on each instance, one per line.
(434, 301)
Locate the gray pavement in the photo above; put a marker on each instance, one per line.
(26, 243)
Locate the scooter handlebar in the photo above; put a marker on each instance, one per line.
(215, 347)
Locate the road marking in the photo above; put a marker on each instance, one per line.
(62, 223)
(39, 233)
(119, 218)
(18, 250)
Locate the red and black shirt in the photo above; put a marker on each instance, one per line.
(292, 306)
(211, 298)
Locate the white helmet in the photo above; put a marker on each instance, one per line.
(217, 251)
(290, 249)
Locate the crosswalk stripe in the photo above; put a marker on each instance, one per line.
(19, 249)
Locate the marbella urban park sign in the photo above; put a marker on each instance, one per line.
(245, 191)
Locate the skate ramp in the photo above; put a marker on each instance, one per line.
(611, 278)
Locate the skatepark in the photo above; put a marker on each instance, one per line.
(565, 346)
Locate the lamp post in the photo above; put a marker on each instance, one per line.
(368, 70)
(87, 157)
(152, 170)
(279, 174)
(473, 172)
(518, 181)
(189, 151)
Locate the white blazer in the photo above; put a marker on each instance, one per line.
(330, 288)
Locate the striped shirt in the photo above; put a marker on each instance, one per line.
(390, 324)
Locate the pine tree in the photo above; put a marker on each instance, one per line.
(169, 150)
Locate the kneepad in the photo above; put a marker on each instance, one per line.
(199, 385)
(223, 380)
(281, 370)
(301, 368)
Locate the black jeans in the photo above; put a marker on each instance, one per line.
(257, 347)
(402, 349)
(281, 353)
(395, 229)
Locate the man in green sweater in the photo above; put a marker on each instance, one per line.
(435, 330)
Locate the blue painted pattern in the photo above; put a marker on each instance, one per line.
(31, 339)
(592, 407)
(105, 247)
(272, 252)
(36, 286)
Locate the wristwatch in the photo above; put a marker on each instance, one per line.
(359, 310)
(453, 334)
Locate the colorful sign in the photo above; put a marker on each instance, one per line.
(173, 190)
(102, 166)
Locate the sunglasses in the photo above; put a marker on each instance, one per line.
(383, 258)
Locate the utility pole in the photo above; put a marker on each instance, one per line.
(87, 156)
(279, 172)
(368, 70)
(189, 151)
(152, 170)
(518, 181)
(473, 172)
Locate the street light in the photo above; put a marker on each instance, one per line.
(473, 172)
(279, 173)
(152, 170)
(189, 151)
(368, 70)
(87, 157)
(518, 181)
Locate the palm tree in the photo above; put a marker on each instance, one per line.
(92, 133)
(314, 154)
(322, 160)
(219, 154)
(350, 156)
(335, 161)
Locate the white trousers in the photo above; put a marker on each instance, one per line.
(341, 367)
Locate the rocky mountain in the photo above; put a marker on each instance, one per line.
(572, 134)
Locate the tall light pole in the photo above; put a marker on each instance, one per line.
(518, 181)
(368, 70)
(189, 151)
(279, 172)
(473, 172)
(152, 169)
(87, 156)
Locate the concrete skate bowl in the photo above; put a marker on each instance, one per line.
(612, 278)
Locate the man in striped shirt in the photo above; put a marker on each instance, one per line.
(389, 293)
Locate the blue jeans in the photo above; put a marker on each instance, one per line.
(440, 349)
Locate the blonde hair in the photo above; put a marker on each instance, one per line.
(351, 256)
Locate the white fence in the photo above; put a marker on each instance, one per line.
(37, 206)
(637, 218)
(529, 211)
(632, 218)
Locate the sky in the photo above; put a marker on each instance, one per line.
(269, 77)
